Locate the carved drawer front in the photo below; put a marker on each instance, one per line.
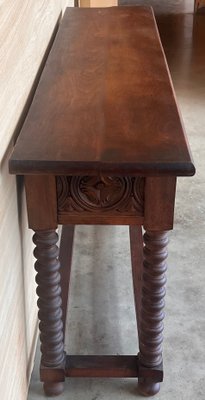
(100, 199)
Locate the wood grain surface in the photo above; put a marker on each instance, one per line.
(105, 102)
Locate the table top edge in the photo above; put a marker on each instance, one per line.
(28, 167)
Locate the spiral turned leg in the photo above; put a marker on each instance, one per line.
(49, 304)
(152, 314)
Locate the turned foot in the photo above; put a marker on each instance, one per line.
(147, 388)
(53, 388)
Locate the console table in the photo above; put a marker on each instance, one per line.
(102, 143)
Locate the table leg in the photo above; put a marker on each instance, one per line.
(49, 303)
(65, 257)
(136, 247)
(152, 305)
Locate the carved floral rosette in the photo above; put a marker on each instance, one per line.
(100, 194)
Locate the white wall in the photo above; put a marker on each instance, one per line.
(98, 3)
(26, 27)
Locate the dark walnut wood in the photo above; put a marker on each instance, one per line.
(102, 367)
(49, 303)
(152, 306)
(65, 258)
(136, 249)
(103, 143)
(104, 103)
(41, 202)
(159, 203)
(100, 199)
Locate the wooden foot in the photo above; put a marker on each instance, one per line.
(53, 389)
(49, 303)
(152, 305)
(147, 388)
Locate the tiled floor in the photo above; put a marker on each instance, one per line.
(101, 307)
(163, 6)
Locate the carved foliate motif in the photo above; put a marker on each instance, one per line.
(100, 194)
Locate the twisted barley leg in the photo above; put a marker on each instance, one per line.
(152, 314)
(49, 303)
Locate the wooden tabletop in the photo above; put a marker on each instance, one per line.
(105, 102)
